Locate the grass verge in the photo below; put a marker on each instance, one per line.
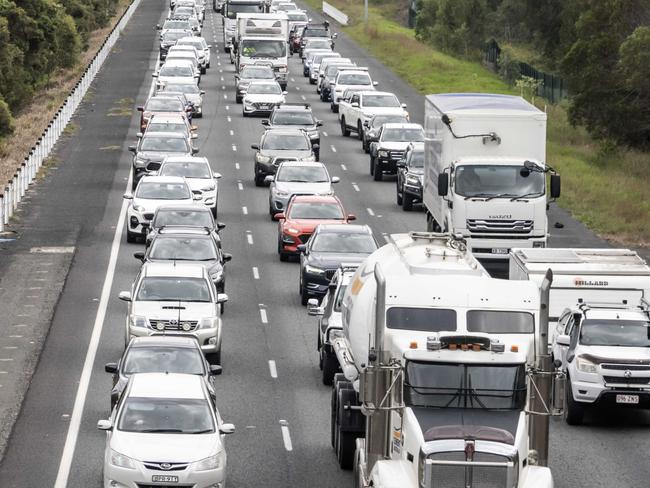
(605, 189)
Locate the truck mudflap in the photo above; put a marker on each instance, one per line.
(346, 361)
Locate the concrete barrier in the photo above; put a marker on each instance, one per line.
(335, 13)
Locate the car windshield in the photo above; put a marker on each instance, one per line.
(380, 120)
(183, 88)
(417, 159)
(302, 174)
(197, 44)
(257, 73)
(316, 210)
(467, 386)
(166, 415)
(176, 24)
(320, 56)
(380, 101)
(183, 217)
(354, 79)
(284, 117)
(297, 17)
(188, 169)
(403, 135)
(167, 127)
(183, 249)
(286, 7)
(622, 333)
(164, 144)
(497, 181)
(268, 88)
(183, 360)
(154, 190)
(258, 48)
(170, 37)
(164, 105)
(167, 70)
(333, 69)
(169, 289)
(313, 32)
(276, 142)
(318, 44)
(344, 243)
(232, 9)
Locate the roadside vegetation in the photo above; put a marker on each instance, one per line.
(605, 183)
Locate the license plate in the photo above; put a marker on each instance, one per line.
(163, 478)
(628, 399)
(499, 250)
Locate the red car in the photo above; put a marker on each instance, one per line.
(303, 214)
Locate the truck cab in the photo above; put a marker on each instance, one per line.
(230, 9)
(604, 349)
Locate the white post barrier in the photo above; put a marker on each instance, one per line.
(335, 13)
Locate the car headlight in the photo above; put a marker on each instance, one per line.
(313, 135)
(291, 230)
(208, 322)
(213, 462)
(121, 461)
(208, 188)
(314, 270)
(282, 69)
(138, 321)
(138, 208)
(383, 154)
(309, 158)
(216, 273)
(413, 180)
(585, 365)
(280, 193)
(263, 159)
(140, 163)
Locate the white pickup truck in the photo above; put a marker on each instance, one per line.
(363, 105)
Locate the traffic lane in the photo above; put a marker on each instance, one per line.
(34, 449)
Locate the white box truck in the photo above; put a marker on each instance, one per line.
(230, 10)
(436, 363)
(485, 171)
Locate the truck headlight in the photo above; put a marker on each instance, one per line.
(282, 69)
(140, 163)
(413, 180)
(314, 270)
(121, 461)
(585, 365)
(212, 462)
(208, 323)
(138, 208)
(138, 321)
(263, 159)
(383, 154)
(208, 188)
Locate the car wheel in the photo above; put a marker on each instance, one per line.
(131, 237)
(237, 99)
(377, 171)
(399, 195)
(359, 131)
(259, 179)
(203, 70)
(407, 204)
(243, 112)
(372, 166)
(344, 130)
(214, 357)
(335, 109)
(573, 412)
(214, 211)
(330, 368)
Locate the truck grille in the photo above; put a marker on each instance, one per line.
(490, 226)
(176, 325)
(153, 165)
(453, 476)
(396, 155)
(624, 367)
(620, 380)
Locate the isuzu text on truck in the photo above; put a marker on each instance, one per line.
(485, 167)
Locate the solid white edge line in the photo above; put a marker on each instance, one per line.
(286, 436)
(263, 317)
(273, 369)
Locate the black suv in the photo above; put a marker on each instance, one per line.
(410, 172)
(296, 116)
(316, 30)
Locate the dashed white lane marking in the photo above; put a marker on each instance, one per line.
(333, 149)
(244, 210)
(273, 369)
(234, 148)
(232, 132)
(223, 87)
(344, 167)
(303, 97)
(249, 237)
(325, 134)
(225, 96)
(263, 317)
(292, 80)
(371, 212)
(385, 236)
(256, 273)
(220, 71)
(355, 186)
(6, 359)
(222, 78)
(240, 186)
(236, 165)
(298, 88)
(286, 437)
(229, 118)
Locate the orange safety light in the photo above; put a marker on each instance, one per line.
(413, 345)
(514, 348)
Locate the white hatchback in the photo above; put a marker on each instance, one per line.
(165, 430)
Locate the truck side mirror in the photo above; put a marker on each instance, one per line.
(556, 186)
(443, 184)
(563, 340)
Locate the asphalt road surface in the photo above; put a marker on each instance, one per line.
(270, 387)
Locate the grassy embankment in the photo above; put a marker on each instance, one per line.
(607, 190)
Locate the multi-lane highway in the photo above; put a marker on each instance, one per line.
(270, 386)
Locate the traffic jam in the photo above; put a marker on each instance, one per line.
(441, 374)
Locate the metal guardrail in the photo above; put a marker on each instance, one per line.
(335, 13)
(16, 187)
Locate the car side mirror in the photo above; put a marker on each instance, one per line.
(563, 340)
(352, 217)
(158, 27)
(125, 296)
(222, 298)
(217, 176)
(319, 123)
(202, 92)
(104, 425)
(139, 255)
(194, 136)
(285, 92)
(195, 150)
(335, 179)
(403, 105)
(227, 257)
(375, 83)
(355, 105)
(556, 186)
(227, 428)
(335, 35)
(265, 122)
(194, 127)
(133, 149)
(301, 248)
(279, 216)
(443, 184)
(220, 226)
(366, 124)
(315, 146)
(110, 368)
(314, 308)
(268, 179)
(215, 370)
(154, 75)
(127, 196)
(255, 146)
(138, 135)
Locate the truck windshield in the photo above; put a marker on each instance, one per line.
(500, 322)
(266, 48)
(621, 333)
(421, 319)
(232, 9)
(471, 386)
(497, 181)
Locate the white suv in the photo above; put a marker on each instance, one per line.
(605, 350)
(357, 79)
(165, 430)
(175, 298)
(198, 175)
